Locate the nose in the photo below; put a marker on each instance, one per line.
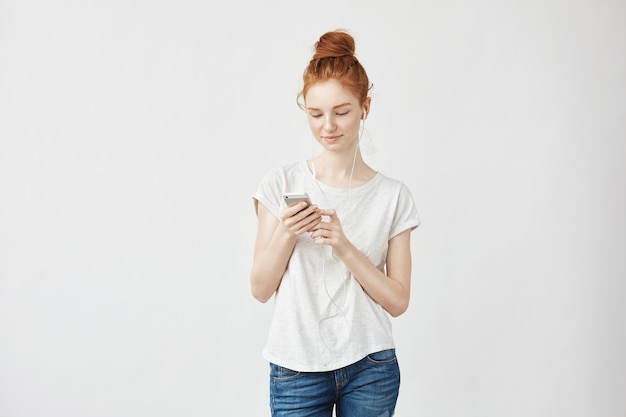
(329, 123)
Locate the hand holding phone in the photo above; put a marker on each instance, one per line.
(302, 220)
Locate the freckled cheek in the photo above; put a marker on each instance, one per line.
(353, 125)
(315, 125)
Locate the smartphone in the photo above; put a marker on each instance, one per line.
(293, 198)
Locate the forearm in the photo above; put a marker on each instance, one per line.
(390, 293)
(269, 265)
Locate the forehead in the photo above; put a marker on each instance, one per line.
(328, 94)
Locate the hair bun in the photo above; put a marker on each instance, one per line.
(334, 59)
(334, 45)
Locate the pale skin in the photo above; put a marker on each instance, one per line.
(334, 115)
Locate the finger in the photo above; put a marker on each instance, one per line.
(330, 213)
(318, 239)
(322, 227)
(294, 209)
(302, 210)
(314, 224)
(309, 222)
(297, 214)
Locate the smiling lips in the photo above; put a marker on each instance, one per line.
(331, 138)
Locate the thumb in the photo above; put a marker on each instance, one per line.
(330, 213)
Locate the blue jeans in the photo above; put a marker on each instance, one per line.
(367, 388)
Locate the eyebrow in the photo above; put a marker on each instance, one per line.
(334, 107)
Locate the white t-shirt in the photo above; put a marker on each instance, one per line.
(323, 320)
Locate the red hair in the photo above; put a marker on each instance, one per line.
(334, 59)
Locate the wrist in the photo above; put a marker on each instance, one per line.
(348, 252)
(284, 233)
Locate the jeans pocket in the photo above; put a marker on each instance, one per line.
(280, 373)
(383, 357)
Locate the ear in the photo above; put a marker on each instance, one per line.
(366, 108)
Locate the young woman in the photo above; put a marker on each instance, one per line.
(338, 266)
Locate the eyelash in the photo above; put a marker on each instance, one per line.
(317, 116)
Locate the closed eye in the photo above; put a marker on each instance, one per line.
(317, 116)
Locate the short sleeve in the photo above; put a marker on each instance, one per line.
(269, 191)
(406, 216)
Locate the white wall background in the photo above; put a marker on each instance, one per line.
(132, 134)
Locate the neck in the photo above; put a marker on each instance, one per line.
(339, 170)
